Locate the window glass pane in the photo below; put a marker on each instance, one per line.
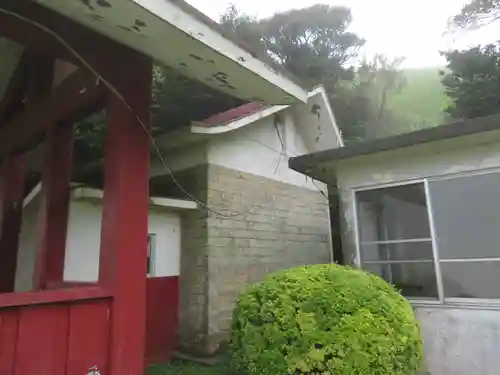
(466, 214)
(471, 279)
(149, 269)
(393, 213)
(397, 251)
(413, 279)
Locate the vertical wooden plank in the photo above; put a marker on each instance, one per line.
(42, 340)
(162, 304)
(11, 200)
(8, 340)
(125, 216)
(54, 208)
(88, 343)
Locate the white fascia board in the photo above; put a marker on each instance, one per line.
(85, 193)
(320, 90)
(174, 15)
(200, 128)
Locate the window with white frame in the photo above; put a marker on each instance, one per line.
(151, 254)
(439, 238)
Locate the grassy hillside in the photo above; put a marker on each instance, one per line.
(421, 102)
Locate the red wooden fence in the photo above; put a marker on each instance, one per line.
(59, 332)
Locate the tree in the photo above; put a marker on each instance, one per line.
(245, 28)
(362, 103)
(477, 13)
(380, 78)
(472, 81)
(314, 45)
(311, 43)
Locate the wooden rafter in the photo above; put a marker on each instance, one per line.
(74, 97)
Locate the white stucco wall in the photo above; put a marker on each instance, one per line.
(83, 242)
(257, 149)
(316, 123)
(460, 341)
(457, 340)
(180, 159)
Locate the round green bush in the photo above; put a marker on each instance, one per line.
(324, 319)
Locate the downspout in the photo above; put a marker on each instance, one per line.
(330, 234)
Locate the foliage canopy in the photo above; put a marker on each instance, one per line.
(472, 80)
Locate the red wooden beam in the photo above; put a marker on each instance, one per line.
(54, 208)
(31, 78)
(125, 217)
(100, 52)
(79, 91)
(53, 296)
(31, 36)
(11, 101)
(11, 198)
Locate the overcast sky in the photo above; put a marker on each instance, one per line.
(414, 29)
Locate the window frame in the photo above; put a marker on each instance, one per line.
(441, 299)
(151, 255)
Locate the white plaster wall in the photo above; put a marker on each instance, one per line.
(460, 341)
(318, 128)
(457, 341)
(83, 242)
(178, 160)
(167, 227)
(456, 155)
(257, 149)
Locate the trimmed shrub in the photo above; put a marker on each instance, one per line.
(324, 319)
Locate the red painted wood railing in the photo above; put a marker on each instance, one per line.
(57, 332)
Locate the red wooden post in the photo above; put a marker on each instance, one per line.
(11, 200)
(125, 215)
(33, 78)
(53, 215)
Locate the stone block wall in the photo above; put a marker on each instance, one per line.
(269, 226)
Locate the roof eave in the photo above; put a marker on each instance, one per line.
(192, 46)
(311, 164)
